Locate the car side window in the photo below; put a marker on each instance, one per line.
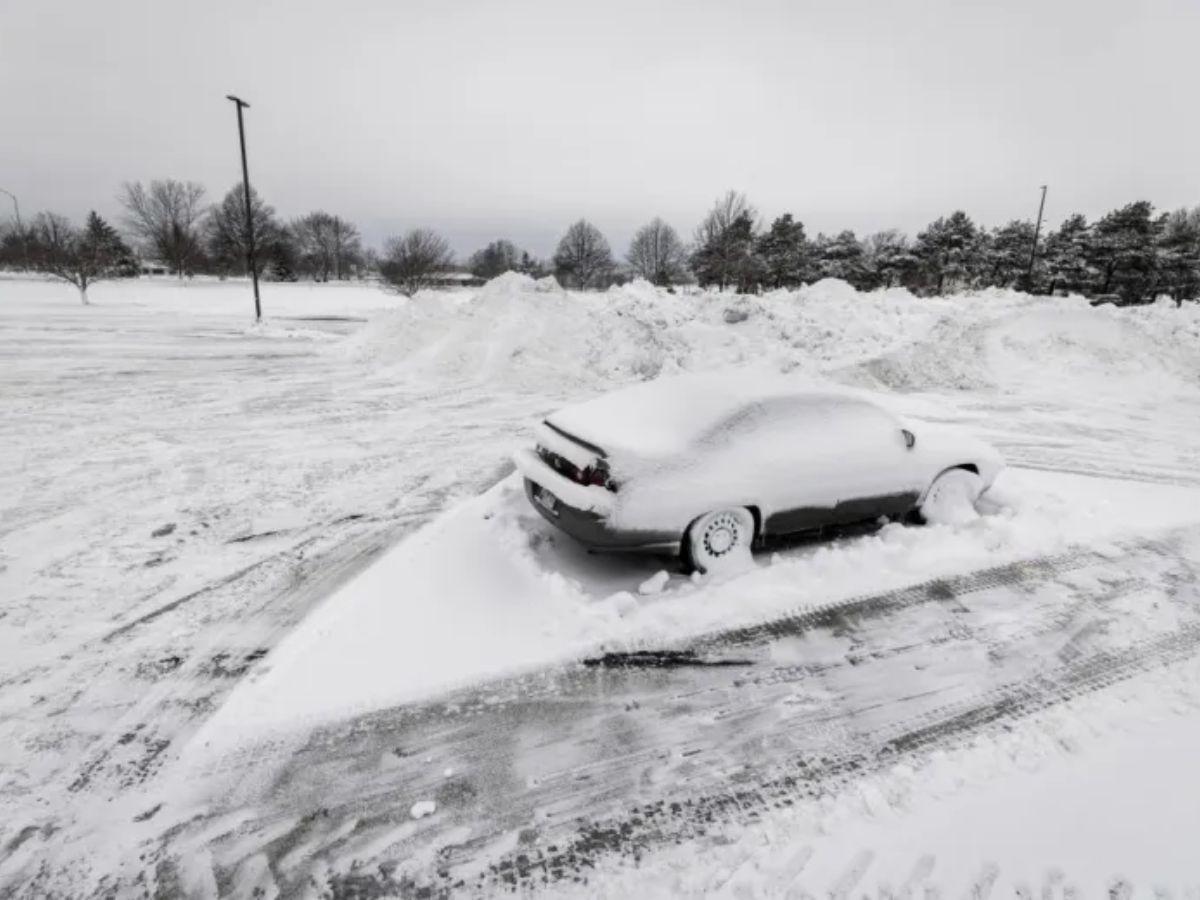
(816, 423)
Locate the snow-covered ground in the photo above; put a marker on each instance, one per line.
(190, 504)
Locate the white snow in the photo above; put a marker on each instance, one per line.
(423, 808)
(288, 455)
(490, 588)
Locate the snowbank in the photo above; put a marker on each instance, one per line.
(517, 332)
(490, 588)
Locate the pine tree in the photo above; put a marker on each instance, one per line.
(786, 253)
(1005, 254)
(949, 252)
(725, 252)
(1065, 257)
(842, 257)
(889, 259)
(1124, 250)
(1179, 255)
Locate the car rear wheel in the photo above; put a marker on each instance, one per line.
(719, 541)
(951, 498)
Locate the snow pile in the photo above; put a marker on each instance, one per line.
(532, 335)
(1005, 341)
(421, 621)
(529, 334)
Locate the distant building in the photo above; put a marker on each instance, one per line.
(455, 279)
(153, 267)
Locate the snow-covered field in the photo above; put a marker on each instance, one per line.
(235, 557)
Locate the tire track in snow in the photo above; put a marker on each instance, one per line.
(782, 731)
(656, 824)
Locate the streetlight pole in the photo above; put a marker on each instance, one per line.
(20, 230)
(1036, 231)
(249, 210)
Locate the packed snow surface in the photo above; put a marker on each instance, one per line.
(214, 530)
(491, 588)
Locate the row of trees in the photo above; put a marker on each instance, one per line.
(1130, 254)
(168, 222)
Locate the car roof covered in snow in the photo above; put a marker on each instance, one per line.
(670, 415)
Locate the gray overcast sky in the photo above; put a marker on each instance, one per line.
(488, 119)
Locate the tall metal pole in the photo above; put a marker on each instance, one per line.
(249, 210)
(20, 230)
(1036, 231)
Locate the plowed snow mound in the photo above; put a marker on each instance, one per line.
(521, 333)
(518, 333)
(1011, 342)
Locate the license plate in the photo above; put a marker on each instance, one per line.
(545, 498)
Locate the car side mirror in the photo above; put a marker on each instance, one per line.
(910, 439)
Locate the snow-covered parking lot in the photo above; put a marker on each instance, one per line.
(275, 615)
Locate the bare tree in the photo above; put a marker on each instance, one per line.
(328, 245)
(583, 257)
(165, 219)
(725, 244)
(657, 254)
(226, 237)
(411, 261)
(314, 239)
(79, 257)
(346, 245)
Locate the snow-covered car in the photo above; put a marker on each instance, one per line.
(710, 466)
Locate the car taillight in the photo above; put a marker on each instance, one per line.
(597, 477)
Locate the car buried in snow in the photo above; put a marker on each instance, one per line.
(710, 467)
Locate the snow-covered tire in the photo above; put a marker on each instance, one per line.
(951, 498)
(719, 541)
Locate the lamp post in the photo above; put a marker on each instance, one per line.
(1036, 231)
(239, 103)
(20, 230)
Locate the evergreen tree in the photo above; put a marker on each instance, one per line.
(110, 254)
(842, 257)
(1005, 254)
(748, 270)
(1179, 255)
(495, 259)
(949, 252)
(889, 259)
(1124, 250)
(786, 254)
(1064, 257)
(282, 257)
(724, 252)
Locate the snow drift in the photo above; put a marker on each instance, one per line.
(422, 621)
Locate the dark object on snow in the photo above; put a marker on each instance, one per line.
(164, 530)
(659, 659)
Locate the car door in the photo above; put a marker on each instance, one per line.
(793, 449)
(827, 460)
(879, 476)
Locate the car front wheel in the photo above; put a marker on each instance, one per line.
(719, 541)
(951, 498)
